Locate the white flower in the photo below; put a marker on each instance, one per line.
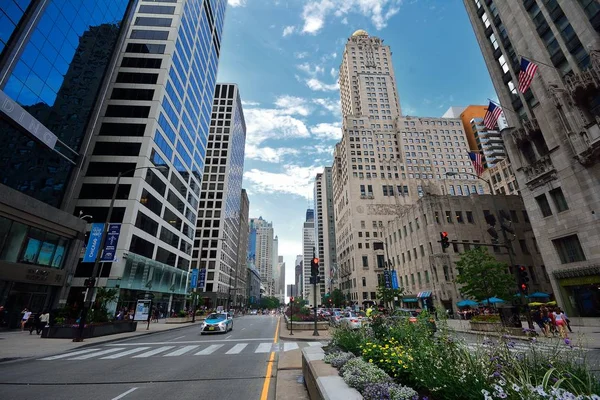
(516, 387)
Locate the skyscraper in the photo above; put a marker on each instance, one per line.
(384, 162)
(217, 239)
(241, 285)
(54, 60)
(260, 250)
(325, 228)
(553, 138)
(156, 113)
(308, 249)
(298, 273)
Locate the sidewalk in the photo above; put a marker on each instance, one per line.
(303, 336)
(19, 345)
(582, 336)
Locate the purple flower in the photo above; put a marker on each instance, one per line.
(511, 344)
(496, 374)
(567, 341)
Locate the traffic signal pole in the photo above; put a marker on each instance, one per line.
(314, 264)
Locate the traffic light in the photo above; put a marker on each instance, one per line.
(291, 299)
(314, 266)
(491, 220)
(444, 240)
(523, 279)
(89, 283)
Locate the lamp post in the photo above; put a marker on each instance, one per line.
(89, 293)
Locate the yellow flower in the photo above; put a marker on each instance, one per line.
(371, 360)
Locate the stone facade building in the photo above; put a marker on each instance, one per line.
(553, 138)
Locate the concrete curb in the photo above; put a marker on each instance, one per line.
(322, 380)
(304, 339)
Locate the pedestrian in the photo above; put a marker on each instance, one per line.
(26, 314)
(568, 321)
(561, 322)
(44, 321)
(546, 321)
(35, 324)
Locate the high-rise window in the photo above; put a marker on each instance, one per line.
(569, 249)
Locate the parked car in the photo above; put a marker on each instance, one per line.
(353, 320)
(217, 322)
(253, 312)
(334, 319)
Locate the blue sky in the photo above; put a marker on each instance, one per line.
(285, 56)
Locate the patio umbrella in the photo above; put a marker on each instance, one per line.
(466, 303)
(535, 304)
(492, 300)
(538, 295)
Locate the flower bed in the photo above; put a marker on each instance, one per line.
(397, 359)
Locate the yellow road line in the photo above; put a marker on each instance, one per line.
(266, 384)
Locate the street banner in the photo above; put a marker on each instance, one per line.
(194, 279)
(387, 279)
(93, 246)
(395, 280)
(109, 254)
(142, 310)
(201, 278)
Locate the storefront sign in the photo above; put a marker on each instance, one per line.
(394, 280)
(194, 279)
(387, 279)
(109, 254)
(93, 246)
(201, 278)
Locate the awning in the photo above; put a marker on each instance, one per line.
(466, 303)
(423, 294)
(410, 300)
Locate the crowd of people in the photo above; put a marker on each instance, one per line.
(552, 321)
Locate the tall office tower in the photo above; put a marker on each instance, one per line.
(216, 243)
(553, 138)
(274, 279)
(384, 162)
(260, 248)
(291, 290)
(280, 280)
(241, 282)
(325, 228)
(55, 58)
(308, 250)
(298, 275)
(152, 132)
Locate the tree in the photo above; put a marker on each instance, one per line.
(269, 302)
(337, 297)
(482, 276)
(386, 295)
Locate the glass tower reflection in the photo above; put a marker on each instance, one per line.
(56, 78)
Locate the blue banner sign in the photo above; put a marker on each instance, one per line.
(93, 246)
(194, 279)
(395, 280)
(202, 278)
(387, 279)
(109, 254)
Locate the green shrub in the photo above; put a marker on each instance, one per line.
(350, 339)
(486, 318)
(358, 374)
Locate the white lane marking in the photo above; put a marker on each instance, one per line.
(125, 353)
(228, 337)
(68, 354)
(191, 342)
(209, 350)
(99, 353)
(243, 328)
(264, 348)
(181, 351)
(153, 352)
(180, 337)
(313, 344)
(237, 348)
(287, 346)
(124, 394)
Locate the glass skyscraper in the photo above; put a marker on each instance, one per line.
(156, 112)
(54, 57)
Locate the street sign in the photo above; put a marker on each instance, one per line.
(93, 246)
(387, 279)
(109, 254)
(394, 280)
(142, 310)
(194, 279)
(201, 278)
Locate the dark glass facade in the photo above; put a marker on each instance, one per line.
(55, 76)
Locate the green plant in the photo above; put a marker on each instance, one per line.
(389, 355)
(350, 340)
(481, 276)
(59, 320)
(182, 314)
(338, 359)
(486, 318)
(358, 374)
(104, 296)
(392, 391)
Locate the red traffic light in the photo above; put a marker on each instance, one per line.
(292, 299)
(315, 260)
(445, 234)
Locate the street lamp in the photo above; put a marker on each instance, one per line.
(89, 293)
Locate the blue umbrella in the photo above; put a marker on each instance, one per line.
(466, 303)
(538, 295)
(492, 300)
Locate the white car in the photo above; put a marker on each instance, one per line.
(217, 322)
(352, 320)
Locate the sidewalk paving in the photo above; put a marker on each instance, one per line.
(583, 336)
(304, 336)
(20, 345)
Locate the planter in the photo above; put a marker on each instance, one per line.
(322, 380)
(496, 327)
(70, 332)
(306, 325)
(179, 320)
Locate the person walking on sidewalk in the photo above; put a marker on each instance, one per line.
(26, 314)
(44, 321)
(561, 323)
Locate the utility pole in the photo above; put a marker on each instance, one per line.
(314, 264)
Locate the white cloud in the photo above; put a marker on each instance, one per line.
(333, 73)
(331, 105)
(250, 103)
(311, 70)
(294, 180)
(236, 3)
(317, 85)
(268, 154)
(316, 12)
(288, 30)
(301, 55)
(291, 105)
(327, 131)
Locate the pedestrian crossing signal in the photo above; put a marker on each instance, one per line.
(444, 240)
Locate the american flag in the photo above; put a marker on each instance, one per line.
(476, 161)
(526, 75)
(490, 120)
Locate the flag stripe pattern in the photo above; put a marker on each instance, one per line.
(526, 74)
(476, 161)
(490, 120)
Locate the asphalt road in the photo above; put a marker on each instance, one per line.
(180, 365)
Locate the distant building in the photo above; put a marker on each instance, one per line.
(260, 251)
(253, 286)
(502, 178)
(241, 283)
(298, 273)
(308, 249)
(291, 290)
(325, 229)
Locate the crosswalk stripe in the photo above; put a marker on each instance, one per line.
(96, 354)
(68, 354)
(153, 352)
(125, 353)
(237, 348)
(264, 348)
(288, 346)
(181, 351)
(209, 350)
(313, 344)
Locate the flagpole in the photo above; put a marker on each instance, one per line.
(503, 108)
(538, 62)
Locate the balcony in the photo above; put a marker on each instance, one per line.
(540, 172)
(585, 83)
(529, 128)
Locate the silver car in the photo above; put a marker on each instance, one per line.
(352, 320)
(217, 322)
